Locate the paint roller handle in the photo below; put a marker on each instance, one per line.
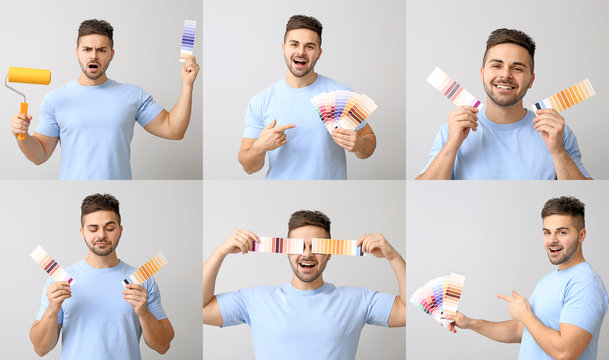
(23, 110)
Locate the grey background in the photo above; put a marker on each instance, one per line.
(147, 38)
(156, 215)
(355, 208)
(571, 38)
(363, 47)
(491, 233)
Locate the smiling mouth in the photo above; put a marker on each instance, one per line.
(307, 264)
(554, 250)
(300, 62)
(504, 86)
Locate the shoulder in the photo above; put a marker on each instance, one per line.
(330, 84)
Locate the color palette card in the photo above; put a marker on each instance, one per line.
(452, 90)
(51, 266)
(343, 109)
(147, 270)
(188, 39)
(570, 96)
(336, 247)
(439, 297)
(279, 245)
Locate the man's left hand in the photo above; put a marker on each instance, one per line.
(348, 139)
(552, 126)
(137, 296)
(190, 70)
(377, 245)
(519, 305)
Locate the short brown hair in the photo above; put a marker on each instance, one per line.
(566, 205)
(94, 26)
(511, 36)
(97, 202)
(308, 217)
(303, 22)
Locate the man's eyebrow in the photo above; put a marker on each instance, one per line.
(558, 228)
(517, 63)
(111, 222)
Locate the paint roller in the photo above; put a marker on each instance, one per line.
(26, 76)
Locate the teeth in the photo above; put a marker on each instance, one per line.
(504, 87)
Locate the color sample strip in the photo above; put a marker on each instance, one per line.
(343, 108)
(279, 245)
(439, 297)
(452, 90)
(147, 270)
(570, 96)
(336, 247)
(188, 39)
(51, 266)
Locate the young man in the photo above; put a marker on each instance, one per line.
(282, 122)
(94, 116)
(564, 316)
(287, 320)
(99, 318)
(505, 140)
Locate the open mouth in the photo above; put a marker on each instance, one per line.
(307, 265)
(504, 86)
(555, 250)
(93, 67)
(300, 62)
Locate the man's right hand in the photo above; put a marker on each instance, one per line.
(239, 241)
(57, 292)
(272, 137)
(460, 122)
(459, 321)
(20, 123)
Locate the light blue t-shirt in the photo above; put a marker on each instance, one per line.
(310, 152)
(288, 323)
(505, 151)
(574, 296)
(95, 127)
(97, 323)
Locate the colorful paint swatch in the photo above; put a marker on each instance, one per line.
(279, 245)
(188, 39)
(452, 90)
(147, 270)
(51, 266)
(343, 108)
(336, 247)
(439, 297)
(570, 96)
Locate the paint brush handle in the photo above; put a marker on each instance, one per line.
(23, 110)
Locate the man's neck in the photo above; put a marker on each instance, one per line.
(85, 81)
(504, 114)
(102, 262)
(297, 83)
(577, 259)
(300, 285)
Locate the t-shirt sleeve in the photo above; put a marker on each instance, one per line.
(585, 305)
(570, 144)
(154, 300)
(233, 307)
(438, 144)
(379, 307)
(44, 303)
(253, 118)
(148, 109)
(48, 125)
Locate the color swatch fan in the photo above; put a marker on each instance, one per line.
(278, 245)
(188, 39)
(336, 247)
(343, 108)
(439, 297)
(570, 96)
(452, 90)
(48, 264)
(147, 270)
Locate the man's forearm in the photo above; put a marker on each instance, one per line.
(211, 267)
(550, 340)
(399, 268)
(505, 331)
(565, 167)
(369, 145)
(157, 333)
(33, 149)
(45, 333)
(179, 116)
(441, 168)
(252, 159)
